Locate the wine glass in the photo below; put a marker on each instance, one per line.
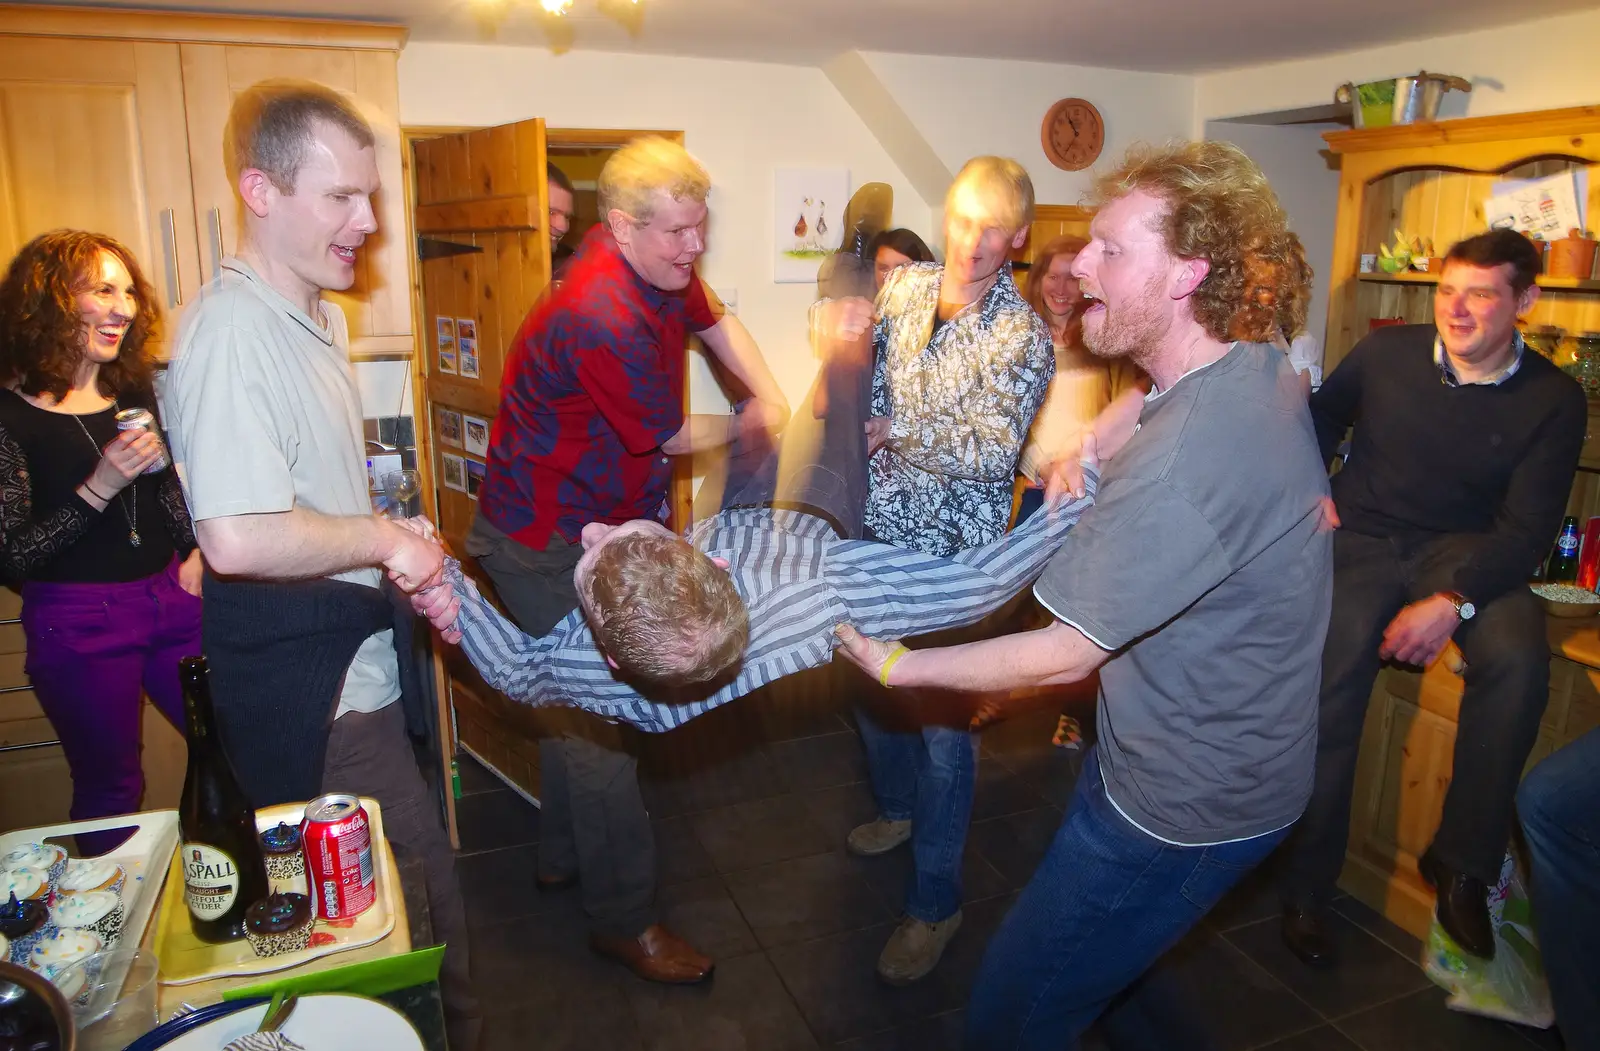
(400, 487)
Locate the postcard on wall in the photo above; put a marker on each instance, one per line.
(454, 472)
(808, 217)
(450, 427)
(476, 430)
(475, 476)
(469, 358)
(447, 344)
(466, 328)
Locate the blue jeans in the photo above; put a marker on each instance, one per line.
(1559, 803)
(1105, 903)
(925, 776)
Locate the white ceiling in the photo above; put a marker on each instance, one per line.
(1170, 36)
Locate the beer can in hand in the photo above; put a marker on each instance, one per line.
(338, 846)
(143, 420)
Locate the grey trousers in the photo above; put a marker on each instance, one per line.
(592, 819)
(369, 754)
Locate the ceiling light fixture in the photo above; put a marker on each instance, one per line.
(561, 7)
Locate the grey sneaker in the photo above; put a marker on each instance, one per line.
(878, 836)
(915, 948)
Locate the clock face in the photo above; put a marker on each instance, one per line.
(1073, 134)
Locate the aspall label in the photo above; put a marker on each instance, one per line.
(210, 881)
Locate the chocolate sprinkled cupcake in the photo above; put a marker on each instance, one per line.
(280, 848)
(279, 923)
(24, 924)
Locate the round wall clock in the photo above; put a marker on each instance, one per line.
(1073, 134)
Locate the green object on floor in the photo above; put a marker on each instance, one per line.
(455, 779)
(367, 978)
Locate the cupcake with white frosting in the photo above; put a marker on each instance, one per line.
(87, 874)
(46, 857)
(5, 948)
(55, 952)
(99, 911)
(28, 884)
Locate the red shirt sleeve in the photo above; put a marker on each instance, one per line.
(703, 308)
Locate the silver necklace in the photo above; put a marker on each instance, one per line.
(130, 508)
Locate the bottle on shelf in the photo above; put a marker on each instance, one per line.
(1563, 567)
(223, 870)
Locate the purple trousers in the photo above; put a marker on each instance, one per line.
(92, 650)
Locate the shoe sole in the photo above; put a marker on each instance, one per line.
(861, 852)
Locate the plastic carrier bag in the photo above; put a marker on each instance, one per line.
(1510, 987)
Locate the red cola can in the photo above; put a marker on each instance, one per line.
(1589, 555)
(338, 845)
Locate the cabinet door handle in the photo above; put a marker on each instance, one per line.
(169, 234)
(216, 239)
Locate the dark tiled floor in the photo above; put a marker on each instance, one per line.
(749, 840)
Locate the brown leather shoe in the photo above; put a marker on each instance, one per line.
(657, 955)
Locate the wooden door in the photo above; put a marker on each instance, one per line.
(482, 200)
(378, 305)
(1050, 221)
(92, 137)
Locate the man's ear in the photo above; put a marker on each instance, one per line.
(720, 563)
(620, 223)
(1189, 274)
(1019, 238)
(256, 190)
(1525, 302)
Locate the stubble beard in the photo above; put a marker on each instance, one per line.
(1133, 333)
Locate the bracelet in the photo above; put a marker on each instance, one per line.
(95, 494)
(895, 654)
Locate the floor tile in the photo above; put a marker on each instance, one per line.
(491, 820)
(1233, 999)
(682, 784)
(744, 1007)
(1051, 772)
(1369, 971)
(498, 885)
(679, 855)
(475, 778)
(746, 835)
(1252, 899)
(702, 911)
(805, 898)
(839, 993)
(962, 956)
(1000, 792)
(1421, 1022)
(1322, 1038)
(838, 810)
(807, 764)
(1015, 844)
(586, 1022)
(1401, 941)
(890, 875)
(940, 1033)
(541, 962)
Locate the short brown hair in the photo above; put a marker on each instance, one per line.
(1500, 248)
(1220, 208)
(41, 328)
(666, 613)
(272, 123)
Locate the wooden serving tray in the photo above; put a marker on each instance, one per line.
(185, 959)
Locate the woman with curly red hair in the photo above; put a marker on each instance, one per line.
(93, 525)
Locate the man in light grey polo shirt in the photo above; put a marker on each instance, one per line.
(1201, 580)
(267, 432)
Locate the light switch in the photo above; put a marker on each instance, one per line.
(729, 297)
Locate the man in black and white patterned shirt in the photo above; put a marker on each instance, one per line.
(962, 365)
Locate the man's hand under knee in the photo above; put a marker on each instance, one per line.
(1418, 633)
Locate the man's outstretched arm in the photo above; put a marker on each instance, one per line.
(1052, 656)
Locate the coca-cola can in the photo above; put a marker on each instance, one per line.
(1589, 555)
(143, 420)
(338, 846)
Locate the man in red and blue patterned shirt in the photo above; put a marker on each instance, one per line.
(591, 414)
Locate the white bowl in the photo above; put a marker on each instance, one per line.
(320, 1022)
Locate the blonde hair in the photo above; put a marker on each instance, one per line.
(633, 174)
(1221, 208)
(1004, 186)
(272, 122)
(666, 613)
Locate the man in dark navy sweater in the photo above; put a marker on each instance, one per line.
(1463, 452)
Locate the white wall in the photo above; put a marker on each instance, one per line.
(1545, 64)
(1291, 156)
(741, 119)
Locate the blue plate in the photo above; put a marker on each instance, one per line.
(164, 1034)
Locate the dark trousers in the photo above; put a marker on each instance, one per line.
(1507, 685)
(369, 754)
(592, 819)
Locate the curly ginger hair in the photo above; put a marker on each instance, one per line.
(1220, 208)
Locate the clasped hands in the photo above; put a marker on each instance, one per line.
(416, 565)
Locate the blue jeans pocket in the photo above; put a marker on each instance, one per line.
(1218, 869)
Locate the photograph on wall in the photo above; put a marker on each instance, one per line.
(476, 431)
(475, 475)
(450, 428)
(808, 217)
(466, 328)
(447, 345)
(454, 472)
(469, 357)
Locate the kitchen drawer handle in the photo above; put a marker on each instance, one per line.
(216, 238)
(169, 232)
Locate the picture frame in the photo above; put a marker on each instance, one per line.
(453, 472)
(808, 220)
(450, 428)
(475, 436)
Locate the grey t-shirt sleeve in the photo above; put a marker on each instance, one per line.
(1143, 555)
(231, 448)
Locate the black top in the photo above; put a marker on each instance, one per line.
(48, 532)
(1493, 463)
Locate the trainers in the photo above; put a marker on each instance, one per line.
(915, 948)
(878, 836)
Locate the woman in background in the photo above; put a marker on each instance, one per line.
(104, 552)
(1083, 384)
(894, 248)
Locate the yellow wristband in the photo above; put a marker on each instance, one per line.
(895, 654)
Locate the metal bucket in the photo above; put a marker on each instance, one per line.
(1417, 98)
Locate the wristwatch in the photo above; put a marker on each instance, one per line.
(1464, 607)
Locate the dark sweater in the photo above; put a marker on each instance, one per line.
(1489, 465)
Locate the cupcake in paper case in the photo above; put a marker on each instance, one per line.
(47, 857)
(28, 884)
(279, 923)
(24, 924)
(57, 951)
(286, 862)
(5, 949)
(86, 874)
(99, 911)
